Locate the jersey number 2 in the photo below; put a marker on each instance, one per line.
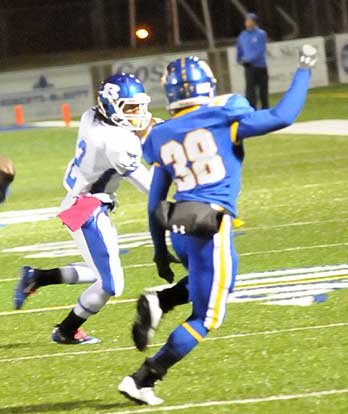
(71, 179)
(198, 150)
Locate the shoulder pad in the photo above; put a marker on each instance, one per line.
(221, 100)
(233, 103)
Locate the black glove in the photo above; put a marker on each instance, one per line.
(163, 266)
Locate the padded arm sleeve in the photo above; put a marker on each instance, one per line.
(160, 184)
(141, 178)
(282, 115)
(124, 162)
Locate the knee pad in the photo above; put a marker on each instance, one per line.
(91, 301)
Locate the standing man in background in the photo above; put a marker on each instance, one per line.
(251, 53)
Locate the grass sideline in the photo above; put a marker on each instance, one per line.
(286, 180)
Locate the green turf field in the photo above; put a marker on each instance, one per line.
(294, 202)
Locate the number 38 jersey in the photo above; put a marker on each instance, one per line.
(104, 155)
(199, 148)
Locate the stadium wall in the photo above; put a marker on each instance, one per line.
(41, 92)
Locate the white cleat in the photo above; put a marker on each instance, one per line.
(128, 388)
(149, 315)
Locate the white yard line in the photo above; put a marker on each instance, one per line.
(57, 308)
(135, 266)
(295, 271)
(243, 281)
(233, 297)
(300, 223)
(256, 400)
(293, 249)
(128, 348)
(293, 187)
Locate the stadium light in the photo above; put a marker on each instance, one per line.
(142, 33)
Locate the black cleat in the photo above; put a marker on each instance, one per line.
(149, 315)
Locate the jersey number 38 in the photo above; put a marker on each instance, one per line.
(195, 161)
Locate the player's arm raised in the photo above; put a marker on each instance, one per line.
(288, 108)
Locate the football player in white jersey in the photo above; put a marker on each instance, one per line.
(107, 151)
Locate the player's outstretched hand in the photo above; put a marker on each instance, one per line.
(163, 266)
(308, 57)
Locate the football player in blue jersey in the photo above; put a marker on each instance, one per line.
(201, 150)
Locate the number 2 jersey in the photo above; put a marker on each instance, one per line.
(104, 155)
(201, 148)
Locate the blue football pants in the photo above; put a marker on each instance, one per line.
(212, 267)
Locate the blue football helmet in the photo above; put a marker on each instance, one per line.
(188, 81)
(122, 100)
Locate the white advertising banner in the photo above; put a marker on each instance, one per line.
(282, 58)
(342, 56)
(149, 70)
(41, 92)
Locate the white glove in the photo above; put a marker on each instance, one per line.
(308, 57)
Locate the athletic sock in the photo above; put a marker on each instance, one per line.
(47, 277)
(174, 296)
(70, 325)
(154, 369)
(56, 276)
(181, 342)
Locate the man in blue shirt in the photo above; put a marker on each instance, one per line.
(200, 149)
(251, 53)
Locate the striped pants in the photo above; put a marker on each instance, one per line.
(212, 267)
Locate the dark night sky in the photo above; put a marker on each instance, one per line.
(51, 26)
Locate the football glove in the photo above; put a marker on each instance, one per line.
(163, 266)
(308, 57)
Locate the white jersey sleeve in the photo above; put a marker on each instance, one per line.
(141, 178)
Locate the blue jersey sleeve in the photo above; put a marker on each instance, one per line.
(147, 150)
(160, 184)
(282, 115)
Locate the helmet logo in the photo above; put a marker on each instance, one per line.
(188, 81)
(110, 90)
